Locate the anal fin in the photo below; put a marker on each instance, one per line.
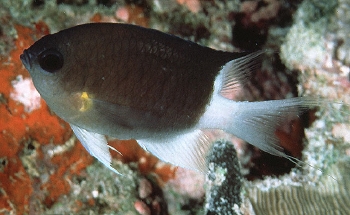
(188, 150)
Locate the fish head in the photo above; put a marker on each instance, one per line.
(51, 66)
(46, 62)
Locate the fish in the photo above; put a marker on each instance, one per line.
(129, 82)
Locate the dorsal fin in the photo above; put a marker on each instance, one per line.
(237, 72)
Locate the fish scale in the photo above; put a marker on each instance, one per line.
(131, 82)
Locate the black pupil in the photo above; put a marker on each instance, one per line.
(50, 60)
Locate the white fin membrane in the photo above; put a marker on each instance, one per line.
(254, 122)
(237, 72)
(187, 150)
(96, 144)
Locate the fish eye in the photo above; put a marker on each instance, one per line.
(50, 60)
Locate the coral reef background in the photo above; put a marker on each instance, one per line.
(45, 170)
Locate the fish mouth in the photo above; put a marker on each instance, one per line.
(25, 58)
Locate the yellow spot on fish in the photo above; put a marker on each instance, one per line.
(86, 102)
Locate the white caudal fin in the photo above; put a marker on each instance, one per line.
(96, 144)
(255, 122)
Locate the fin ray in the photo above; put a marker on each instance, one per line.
(238, 71)
(255, 122)
(188, 150)
(96, 144)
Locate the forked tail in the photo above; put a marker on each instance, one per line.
(255, 122)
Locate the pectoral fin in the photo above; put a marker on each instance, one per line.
(96, 144)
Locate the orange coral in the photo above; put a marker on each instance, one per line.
(147, 163)
(292, 140)
(257, 14)
(18, 127)
(193, 5)
(69, 164)
(129, 14)
(132, 14)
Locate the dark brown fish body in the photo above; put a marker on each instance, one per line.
(142, 69)
(131, 82)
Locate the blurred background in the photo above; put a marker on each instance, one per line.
(45, 170)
